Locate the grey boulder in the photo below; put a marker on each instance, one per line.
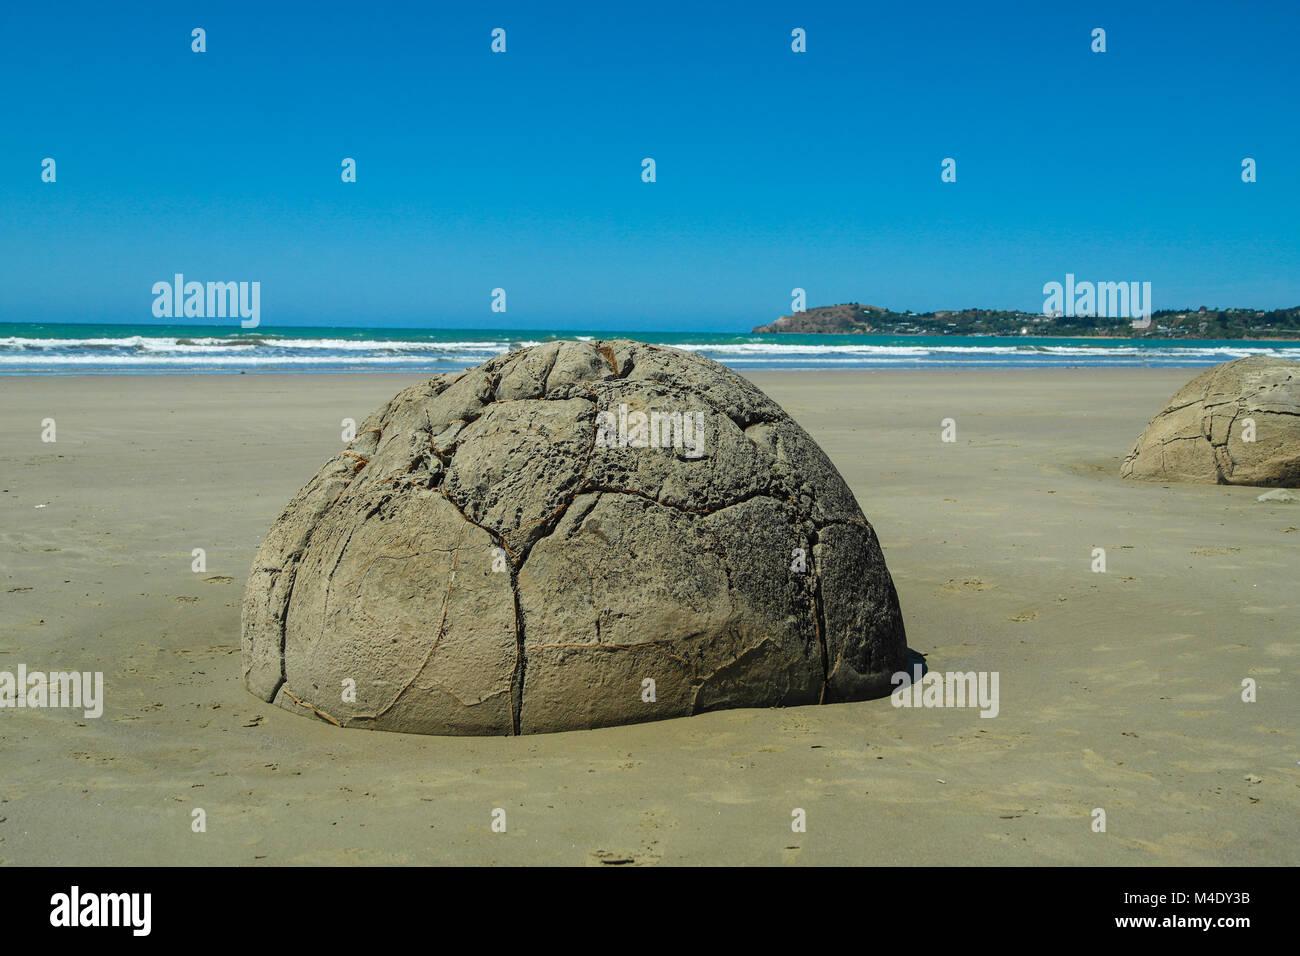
(1279, 494)
(1235, 424)
(573, 535)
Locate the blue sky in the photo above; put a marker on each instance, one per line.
(523, 170)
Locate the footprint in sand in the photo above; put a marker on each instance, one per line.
(969, 584)
(647, 854)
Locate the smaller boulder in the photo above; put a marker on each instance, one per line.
(1278, 494)
(1235, 424)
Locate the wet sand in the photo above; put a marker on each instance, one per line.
(1118, 690)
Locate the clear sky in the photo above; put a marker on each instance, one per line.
(523, 170)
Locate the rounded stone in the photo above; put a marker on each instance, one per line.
(573, 535)
(1235, 424)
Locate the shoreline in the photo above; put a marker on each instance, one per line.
(152, 350)
(750, 371)
(992, 335)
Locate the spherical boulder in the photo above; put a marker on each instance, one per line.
(1235, 424)
(572, 535)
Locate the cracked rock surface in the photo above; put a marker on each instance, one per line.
(488, 556)
(1201, 433)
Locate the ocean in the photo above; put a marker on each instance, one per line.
(71, 349)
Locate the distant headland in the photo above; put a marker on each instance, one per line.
(1198, 323)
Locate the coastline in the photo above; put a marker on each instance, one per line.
(105, 350)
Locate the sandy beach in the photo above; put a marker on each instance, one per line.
(1119, 690)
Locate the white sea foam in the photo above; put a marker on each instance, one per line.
(209, 352)
(201, 345)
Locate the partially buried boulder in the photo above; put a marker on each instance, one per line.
(1236, 424)
(572, 535)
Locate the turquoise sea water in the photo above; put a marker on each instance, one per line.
(27, 349)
